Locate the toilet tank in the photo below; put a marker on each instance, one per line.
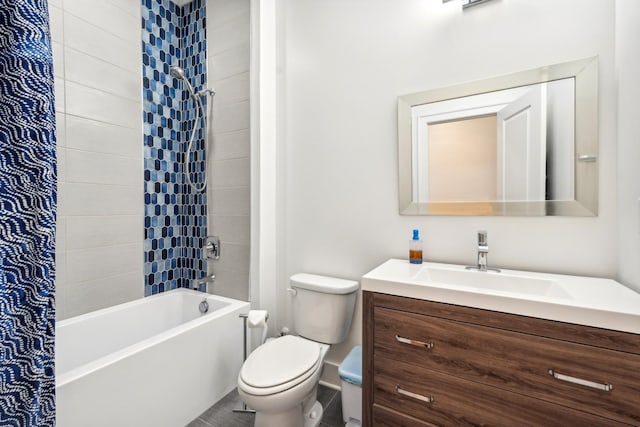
(323, 307)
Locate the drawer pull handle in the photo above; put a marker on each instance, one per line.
(426, 399)
(427, 345)
(580, 381)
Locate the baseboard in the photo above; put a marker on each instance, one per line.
(329, 385)
(330, 376)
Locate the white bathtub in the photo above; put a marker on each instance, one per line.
(151, 362)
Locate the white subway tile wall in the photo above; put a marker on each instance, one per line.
(97, 65)
(228, 194)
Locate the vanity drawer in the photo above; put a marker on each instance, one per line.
(385, 417)
(544, 368)
(445, 400)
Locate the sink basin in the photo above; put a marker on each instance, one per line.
(489, 280)
(591, 301)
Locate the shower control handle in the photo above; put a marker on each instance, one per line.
(212, 247)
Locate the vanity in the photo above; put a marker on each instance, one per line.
(445, 346)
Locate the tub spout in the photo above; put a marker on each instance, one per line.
(206, 280)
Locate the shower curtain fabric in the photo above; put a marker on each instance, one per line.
(27, 215)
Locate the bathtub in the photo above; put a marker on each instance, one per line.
(156, 361)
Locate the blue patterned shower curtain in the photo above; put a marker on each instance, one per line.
(27, 215)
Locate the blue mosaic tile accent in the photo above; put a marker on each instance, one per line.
(175, 215)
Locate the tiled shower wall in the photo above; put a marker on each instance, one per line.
(175, 213)
(97, 64)
(228, 192)
(194, 49)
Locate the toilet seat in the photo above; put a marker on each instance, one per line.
(279, 365)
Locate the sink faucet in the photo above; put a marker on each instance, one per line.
(483, 250)
(483, 254)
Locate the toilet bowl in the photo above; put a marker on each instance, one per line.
(279, 380)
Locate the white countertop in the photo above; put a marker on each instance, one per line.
(602, 303)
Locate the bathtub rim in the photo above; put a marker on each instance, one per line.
(111, 358)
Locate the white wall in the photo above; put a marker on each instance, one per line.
(97, 64)
(228, 190)
(345, 64)
(266, 224)
(628, 67)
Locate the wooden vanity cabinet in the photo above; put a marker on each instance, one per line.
(428, 363)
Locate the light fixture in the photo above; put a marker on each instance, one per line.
(468, 3)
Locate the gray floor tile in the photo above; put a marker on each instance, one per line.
(332, 415)
(221, 414)
(325, 395)
(198, 423)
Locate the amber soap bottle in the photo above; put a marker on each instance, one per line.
(415, 248)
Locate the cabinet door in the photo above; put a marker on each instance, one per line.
(594, 380)
(445, 400)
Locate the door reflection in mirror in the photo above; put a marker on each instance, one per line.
(510, 145)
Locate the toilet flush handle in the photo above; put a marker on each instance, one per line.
(293, 292)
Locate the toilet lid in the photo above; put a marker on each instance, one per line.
(280, 361)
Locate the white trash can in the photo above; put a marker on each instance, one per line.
(350, 371)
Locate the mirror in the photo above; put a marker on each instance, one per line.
(519, 144)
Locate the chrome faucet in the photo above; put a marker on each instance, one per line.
(206, 280)
(196, 283)
(483, 250)
(483, 254)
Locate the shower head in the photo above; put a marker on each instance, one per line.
(178, 73)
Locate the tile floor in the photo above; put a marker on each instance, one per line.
(221, 414)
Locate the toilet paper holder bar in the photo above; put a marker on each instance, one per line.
(244, 317)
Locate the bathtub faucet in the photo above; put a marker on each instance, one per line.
(206, 280)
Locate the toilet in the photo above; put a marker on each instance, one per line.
(279, 380)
